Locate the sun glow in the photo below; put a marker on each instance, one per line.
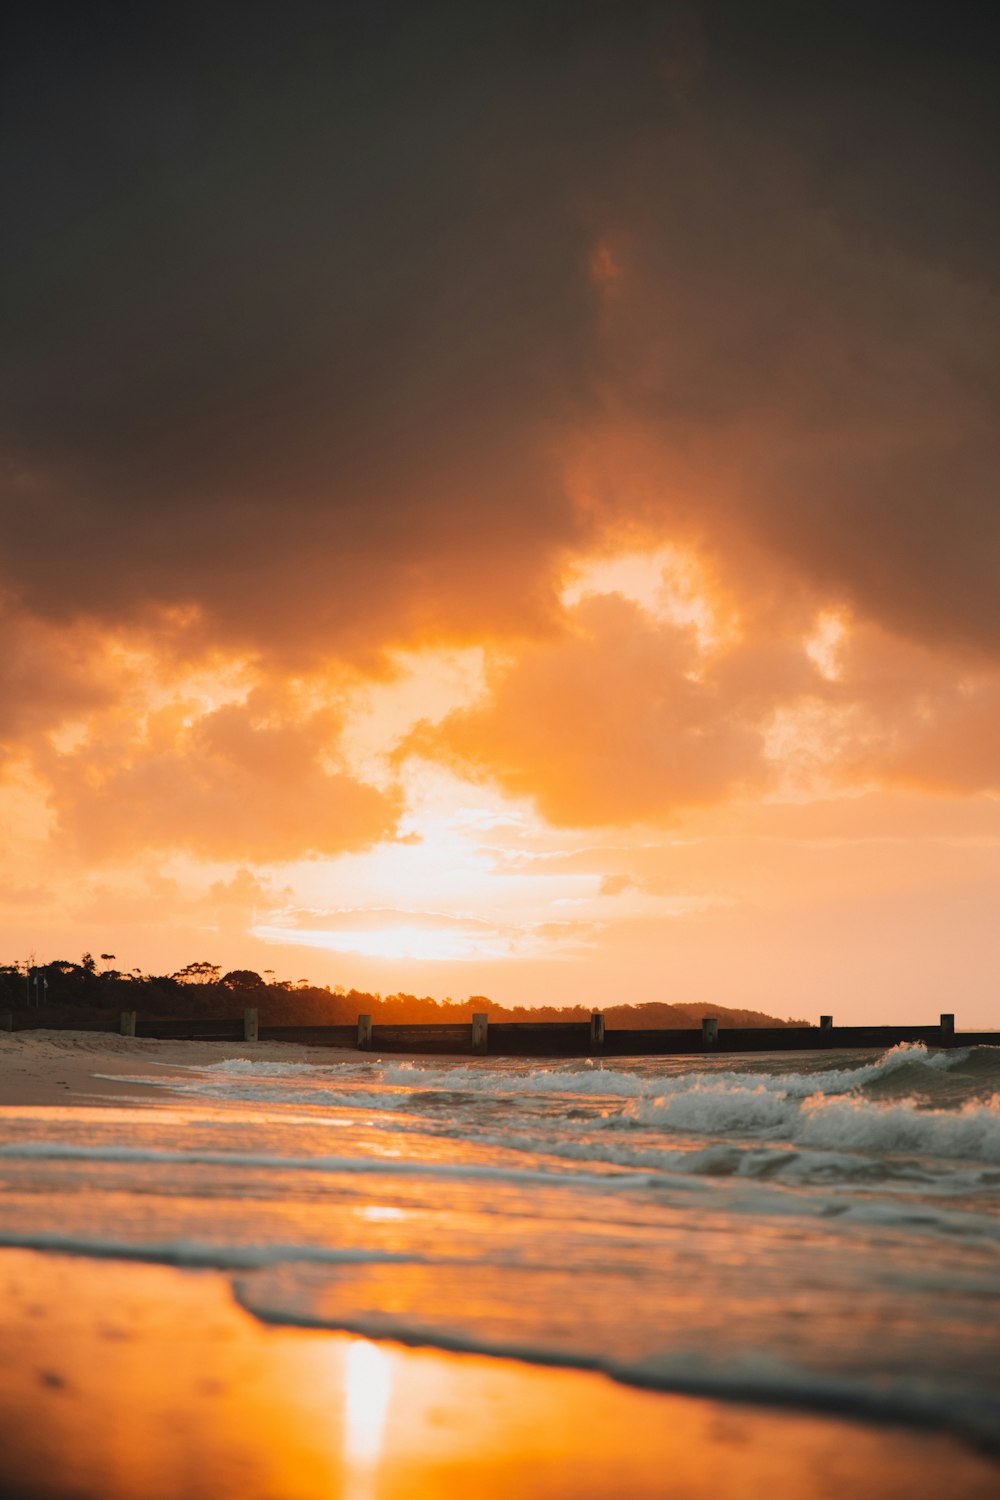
(399, 941)
(667, 583)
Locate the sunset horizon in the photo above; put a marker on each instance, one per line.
(500, 750)
(524, 523)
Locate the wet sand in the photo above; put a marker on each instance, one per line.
(118, 1382)
(61, 1067)
(125, 1381)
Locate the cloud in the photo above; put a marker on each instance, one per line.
(326, 398)
(392, 933)
(599, 278)
(797, 384)
(246, 891)
(626, 718)
(935, 717)
(47, 676)
(619, 720)
(247, 781)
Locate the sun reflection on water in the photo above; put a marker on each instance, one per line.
(368, 1386)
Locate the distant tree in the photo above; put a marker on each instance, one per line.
(243, 979)
(87, 964)
(199, 973)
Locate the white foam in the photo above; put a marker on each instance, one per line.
(820, 1110)
(971, 1133)
(842, 1124)
(593, 1079)
(602, 1079)
(203, 1254)
(239, 1067)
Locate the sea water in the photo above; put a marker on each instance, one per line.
(810, 1230)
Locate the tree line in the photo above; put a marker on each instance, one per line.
(90, 990)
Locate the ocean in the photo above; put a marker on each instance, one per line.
(817, 1231)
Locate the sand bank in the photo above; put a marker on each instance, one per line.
(64, 1067)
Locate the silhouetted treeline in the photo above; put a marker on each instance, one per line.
(87, 992)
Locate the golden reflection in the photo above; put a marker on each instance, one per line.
(368, 1386)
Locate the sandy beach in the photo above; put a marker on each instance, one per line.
(60, 1067)
(122, 1380)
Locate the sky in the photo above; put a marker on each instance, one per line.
(502, 499)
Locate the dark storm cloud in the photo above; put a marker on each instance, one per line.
(298, 309)
(290, 303)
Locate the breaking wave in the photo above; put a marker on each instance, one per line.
(907, 1066)
(911, 1100)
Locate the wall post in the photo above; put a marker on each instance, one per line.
(127, 1025)
(596, 1030)
(480, 1026)
(947, 1026)
(709, 1031)
(364, 1033)
(250, 1024)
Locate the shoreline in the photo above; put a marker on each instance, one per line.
(49, 1068)
(108, 1363)
(145, 1382)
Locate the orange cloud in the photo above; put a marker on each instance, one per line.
(248, 781)
(46, 676)
(625, 718)
(608, 723)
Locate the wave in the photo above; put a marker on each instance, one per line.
(206, 1255)
(273, 1283)
(369, 1165)
(775, 1161)
(745, 1375)
(914, 1059)
(240, 1067)
(841, 1124)
(855, 1124)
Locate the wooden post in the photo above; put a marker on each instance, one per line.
(480, 1026)
(364, 1033)
(596, 1030)
(127, 1027)
(6, 1020)
(709, 1031)
(826, 1023)
(947, 1026)
(250, 1024)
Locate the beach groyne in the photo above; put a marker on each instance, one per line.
(480, 1037)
